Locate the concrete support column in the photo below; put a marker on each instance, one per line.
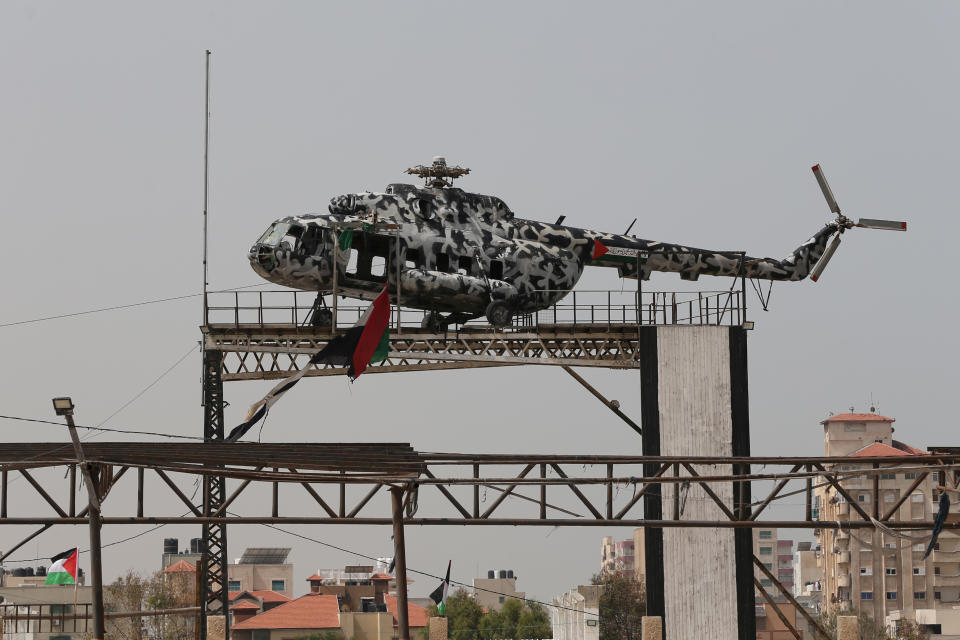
(848, 628)
(438, 629)
(216, 628)
(651, 628)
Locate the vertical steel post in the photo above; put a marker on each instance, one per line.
(93, 517)
(216, 597)
(400, 552)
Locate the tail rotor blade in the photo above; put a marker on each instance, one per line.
(825, 259)
(827, 193)
(886, 225)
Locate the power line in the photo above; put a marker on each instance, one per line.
(80, 426)
(123, 306)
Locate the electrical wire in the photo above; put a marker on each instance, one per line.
(124, 306)
(106, 429)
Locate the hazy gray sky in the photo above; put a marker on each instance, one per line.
(701, 119)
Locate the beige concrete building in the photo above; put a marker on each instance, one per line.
(46, 601)
(776, 555)
(498, 587)
(617, 557)
(863, 569)
(807, 573)
(576, 615)
(262, 569)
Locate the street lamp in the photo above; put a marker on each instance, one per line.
(63, 406)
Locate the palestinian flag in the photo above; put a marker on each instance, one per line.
(599, 249)
(64, 568)
(439, 594)
(365, 342)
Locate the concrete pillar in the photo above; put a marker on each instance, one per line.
(216, 628)
(651, 628)
(848, 628)
(438, 629)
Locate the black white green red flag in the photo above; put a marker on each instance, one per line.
(365, 342)
(64, 568)
(439, 594)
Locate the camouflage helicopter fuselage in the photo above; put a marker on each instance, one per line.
(458, 252)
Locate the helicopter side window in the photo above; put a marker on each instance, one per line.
(443, 263)
(496, 269)
(292, 238)
(310, 241)
(413, 259)
(378, 266)
(271, 237)
(464, 265)
(352, 262)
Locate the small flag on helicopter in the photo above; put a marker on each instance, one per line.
(599, 249)
(365, 342)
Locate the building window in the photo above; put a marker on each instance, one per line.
(919, 595)
(766, 551)
(278, 585)
(889, 497)
(936, 595)
(916, 497)
(911, 475)
(58, 609)
(866, 595)
(919, 571)
(765, 582)
(233, 585)
(891, 571)
(766, 535)
(866, 571)
(501, 599)
(936, 571)
(768, 565)
(863, 497)
(888, 476)
(891, 595)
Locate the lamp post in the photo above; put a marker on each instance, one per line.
(64, 407)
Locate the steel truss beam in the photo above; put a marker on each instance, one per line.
(276, 352)
(322, 473)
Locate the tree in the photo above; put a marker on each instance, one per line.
(463, 615)
(149, 592)
(622, 605)
(516, 620)
(870, 629)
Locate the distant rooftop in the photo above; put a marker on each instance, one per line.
(858, 417)
(880, 450)
(180, 567)
(265, 555)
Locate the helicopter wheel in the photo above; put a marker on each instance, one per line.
(433, 321)
(499, 313)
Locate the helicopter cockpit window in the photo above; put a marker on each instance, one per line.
(291, 238)
(272, 236)
(310, 241)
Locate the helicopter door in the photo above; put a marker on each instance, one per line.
(369, 258)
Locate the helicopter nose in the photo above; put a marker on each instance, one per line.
(262, 258)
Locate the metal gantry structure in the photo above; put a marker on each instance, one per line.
(387, 483)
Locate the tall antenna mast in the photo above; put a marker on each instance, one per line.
(206, 146)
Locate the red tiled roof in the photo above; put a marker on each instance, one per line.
(306, 612)
(381, 576)
(244, 605)
(416, 616)
(180, 566)
(905, 447)
(880, 450)
(316, 576)
(858, 417)
(270, 596)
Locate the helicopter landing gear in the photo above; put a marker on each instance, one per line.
(433, 322)
(499, 313)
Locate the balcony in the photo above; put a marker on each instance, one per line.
(843, 580)
(946, 581)
(843, 509)
(843, 535)
(843, 557)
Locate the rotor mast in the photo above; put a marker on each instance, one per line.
(438, 175)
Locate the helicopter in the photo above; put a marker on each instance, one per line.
(447, 251)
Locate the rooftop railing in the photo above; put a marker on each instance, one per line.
(578, 308)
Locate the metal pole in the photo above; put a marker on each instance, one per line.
(206, 146)
(403, 624)
(336, 258)
(93, 516)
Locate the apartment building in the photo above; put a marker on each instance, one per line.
(864, 569)
(625, 557)
(807, 573)
(498, 587)
(776, 555)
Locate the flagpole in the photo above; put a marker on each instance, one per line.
(400, 553)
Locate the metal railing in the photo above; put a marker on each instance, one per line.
(578, 308)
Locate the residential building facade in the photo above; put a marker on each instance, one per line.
(498, 587)
(866, 570)
(807, 573)
(617, 557)
(776, 555)
(576, 615)
(262, 569)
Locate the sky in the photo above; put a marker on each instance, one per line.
(700, 119)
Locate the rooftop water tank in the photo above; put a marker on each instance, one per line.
(170, 545)
(491, 574)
